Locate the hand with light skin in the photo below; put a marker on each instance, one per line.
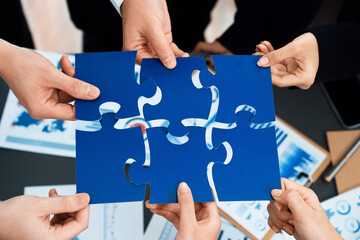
(295, 64)
(297, 210)
(41, 88)
(28, 217)
(192, 220)
(147, 29)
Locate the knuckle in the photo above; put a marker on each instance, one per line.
(67, 203)
(304, 86)
(85, 225)
(292, 194)
(269, 206)
(266, 43)
(160, 48)
(312, 193)
(296, 48)
(280, 83)
(34, 112)
(276, 55)
(75, 87)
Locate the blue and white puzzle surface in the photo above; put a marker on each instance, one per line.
(171, 116)
(343, 212)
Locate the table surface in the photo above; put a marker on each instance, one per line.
(308, 111)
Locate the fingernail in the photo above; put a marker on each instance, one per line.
(92, 91)
(184, 188)
(169, 62)
(82, 198)
(276, 192)
(287, 230)
(262, 61)
(275, 229)
(291, 222)
(150, 206)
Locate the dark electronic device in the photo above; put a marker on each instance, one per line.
(344, 96)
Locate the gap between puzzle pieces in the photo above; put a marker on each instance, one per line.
(180, 98)
(190, 84)
(254, 162)
(114, 74)
(172, 164)
(240, 81)
(100, 161)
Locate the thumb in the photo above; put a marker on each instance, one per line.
(75, 87)
(162, 48)
(186, 202)
(277, 56)
(64, 204)
(290, 198)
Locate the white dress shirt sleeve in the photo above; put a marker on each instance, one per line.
(117, 5)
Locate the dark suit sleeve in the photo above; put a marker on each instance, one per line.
(274, 20)
(246, 31)
(338, 50)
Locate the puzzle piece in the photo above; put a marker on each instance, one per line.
(180, 98)
(241, 82)
(172, 164)
(114, 74)
(254, 168)
(100, 162)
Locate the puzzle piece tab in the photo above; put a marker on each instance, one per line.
(241, 82)
(172, 164)
(254, 168)
(180, 98)
(114, 74)
(100, 162)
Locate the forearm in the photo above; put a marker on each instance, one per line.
(7, 54)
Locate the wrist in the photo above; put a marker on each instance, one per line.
(6, 51)
(3, 221)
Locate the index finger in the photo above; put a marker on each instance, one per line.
(74, 227)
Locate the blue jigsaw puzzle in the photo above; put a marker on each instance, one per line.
(114, 74)
(254, 168)
(240, 81)
(180, 98)
(101, 156)
(172, 164)
(100, 162)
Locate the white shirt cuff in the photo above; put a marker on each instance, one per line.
(117, 5)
